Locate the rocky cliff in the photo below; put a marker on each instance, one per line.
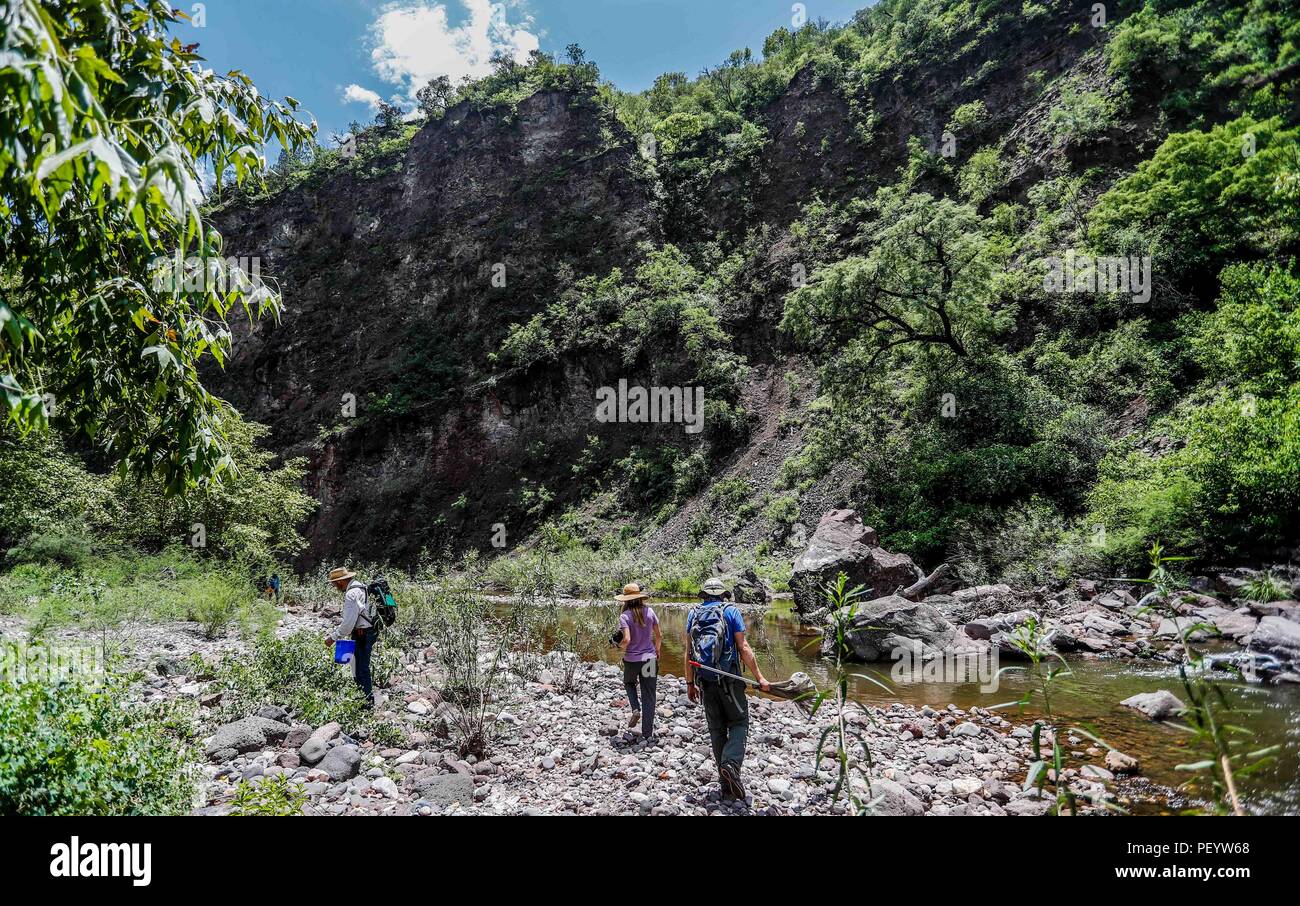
(402, 279)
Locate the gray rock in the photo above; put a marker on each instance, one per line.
(1120, 763)
(441, 790)
(1290, 609)
(1159, 705)
(977, 593)
(275, 713)
(247, 735)
(941, 755)
(841, 543)
(385, 785)
(317, 744)
(1027, 807)
(1279, 637)
(1178, 627)
(1097, 624)
(750, 589)
(889, 798)
(341, 762)
(1229, 623)
(882, 626)
(1095, 772)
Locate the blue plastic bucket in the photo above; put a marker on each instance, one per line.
(344, 651)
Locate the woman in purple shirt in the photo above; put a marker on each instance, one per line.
(641, 642)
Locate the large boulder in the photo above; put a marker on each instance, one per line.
(247, 735)
(1288, 609)
(1229, 623)
(842, 544)
(1180, 628)
(892, 623)
(750, 589)
(1279, 637)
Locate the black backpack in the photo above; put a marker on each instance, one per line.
(385, 606)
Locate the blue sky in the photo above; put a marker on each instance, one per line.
(340, 56)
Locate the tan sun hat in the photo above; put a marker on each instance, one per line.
(631, 592)
(339, 573)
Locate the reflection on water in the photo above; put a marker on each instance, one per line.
(1086, 698)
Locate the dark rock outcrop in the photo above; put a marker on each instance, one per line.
(842, 544)
(376, 373)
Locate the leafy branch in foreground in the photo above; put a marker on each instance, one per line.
(846, 733)
(1208, 708)
(1030, 641)
(109, 124)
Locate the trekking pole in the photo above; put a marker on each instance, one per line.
(749, 682)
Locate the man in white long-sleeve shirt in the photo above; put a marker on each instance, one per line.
(355, 624)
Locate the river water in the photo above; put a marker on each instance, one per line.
(1088, 697)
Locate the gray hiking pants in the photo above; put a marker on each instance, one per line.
(726, 709)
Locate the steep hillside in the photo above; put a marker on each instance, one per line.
(698, 235)
(376, 371)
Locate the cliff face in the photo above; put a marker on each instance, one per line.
(400, 281)
(397, 286)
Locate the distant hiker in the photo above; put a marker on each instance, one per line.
(641, 642)
(355, 624)
(275, 587)
(715, 637)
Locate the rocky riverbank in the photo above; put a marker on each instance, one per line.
(902, 609)
(559, 752)
(571, 753)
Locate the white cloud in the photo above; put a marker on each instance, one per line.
(355, 94)
(415, 41)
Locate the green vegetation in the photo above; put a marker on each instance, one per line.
(107, 124)
(1232, 482)
(296, 673)
(990, 417)
(991, 420)
(1264, 589)
(46, 491)
(113, 593)
(270, 797)
(847, 736)
(70, 748)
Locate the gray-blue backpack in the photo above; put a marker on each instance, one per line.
(711, 640)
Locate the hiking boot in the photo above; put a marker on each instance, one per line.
(633, 720)
(729, 776)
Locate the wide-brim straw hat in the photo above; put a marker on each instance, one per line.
(339, 573)
(713, 586)
(631, 592)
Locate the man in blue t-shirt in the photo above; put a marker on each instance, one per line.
(726, 710)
